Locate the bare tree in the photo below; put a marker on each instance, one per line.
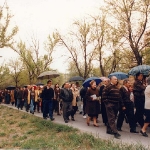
(6, 34)
(16, 68)
(130, 18)
(32, 60)
(80, 47)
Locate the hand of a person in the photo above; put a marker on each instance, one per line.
(123, 108)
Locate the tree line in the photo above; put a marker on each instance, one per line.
(113, 40)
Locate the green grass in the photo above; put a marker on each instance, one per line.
(20, 130)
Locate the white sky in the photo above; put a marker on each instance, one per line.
(42, 17)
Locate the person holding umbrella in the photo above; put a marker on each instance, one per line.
(47, 97)
(139, 98)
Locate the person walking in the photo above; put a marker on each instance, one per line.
(47, 97)
(129, 105)
(75, 93)
(139, 99)
(92, 106)
(56, 106)
(147, 109)
(83, 98)
(67, 97)
(103, 108)
(112, 100)
(32, 100)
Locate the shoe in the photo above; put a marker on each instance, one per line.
(133, 131)
(52, 119)
(58, 114)
(119, 129)
(44, 118)
(95, 125)
(66, 121)
(117, 135)
(84, 116)
(110, 132)
(72, 119)
(143, 133)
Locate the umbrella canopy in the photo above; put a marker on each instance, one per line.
(76, 78)
(10, 87)
(119, 75)
(144, 69)
(48, 75)
(39, 84)
(86, 83)
(102, 78)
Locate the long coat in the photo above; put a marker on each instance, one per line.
(92, 107)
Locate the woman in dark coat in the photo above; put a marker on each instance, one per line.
(92, 107)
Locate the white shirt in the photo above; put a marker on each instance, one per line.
(147, 97)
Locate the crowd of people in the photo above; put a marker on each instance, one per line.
(115, 102)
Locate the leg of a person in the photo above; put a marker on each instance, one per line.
(65, 111)
(139, 115)
(45, 107)
(18, 103)
(120, 119)
(110, 109)
(38, 107)
(84, 107)
(50, 108)
(104, 114)
(35, 105)
(130, 115)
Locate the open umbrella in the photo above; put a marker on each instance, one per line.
(10, 87)
(119, 75)
(86, 83)
(103, 78)
(76, 78)
(39, 84)
(48, 75)
(144, 69)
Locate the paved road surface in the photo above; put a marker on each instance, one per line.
(80, 123)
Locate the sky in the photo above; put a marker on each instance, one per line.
(41, 17)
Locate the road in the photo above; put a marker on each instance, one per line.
(100, 132)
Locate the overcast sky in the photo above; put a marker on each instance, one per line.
(42, 17)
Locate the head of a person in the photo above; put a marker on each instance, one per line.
(139, 76)
(148, 81)
(106, 81)
(93, 84)
(67, 85)
(56, 85)
(131, 88)
(114, 80)
(49, 83)
(126, 83)
(73, 85)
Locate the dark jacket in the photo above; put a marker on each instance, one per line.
(138, 91)
(125, 95)
(66, 95)
(47, 94)
(92, 107)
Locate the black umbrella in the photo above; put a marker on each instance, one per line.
(76, 78)
(10, 87)
(39, 84)
(48, 75)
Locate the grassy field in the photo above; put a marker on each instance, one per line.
(20, 130)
